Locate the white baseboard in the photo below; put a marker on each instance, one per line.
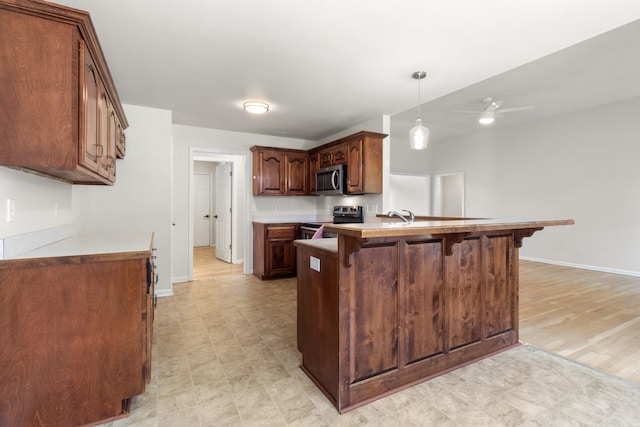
(179, 279)
(583, 266)
(164, 293)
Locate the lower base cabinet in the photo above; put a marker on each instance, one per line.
(274, 255)
(75, 336)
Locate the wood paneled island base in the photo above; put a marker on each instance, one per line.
(387, 305)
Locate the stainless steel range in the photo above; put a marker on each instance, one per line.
(341, 215)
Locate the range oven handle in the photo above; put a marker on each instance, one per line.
(335, 180)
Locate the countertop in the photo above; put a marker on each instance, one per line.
(399, 228)
(292, 219)
(328, 244)
(94, 244)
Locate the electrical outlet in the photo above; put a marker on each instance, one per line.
(11, 210)
(314, 263)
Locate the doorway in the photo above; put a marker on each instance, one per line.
(449, 194)
(237, 205)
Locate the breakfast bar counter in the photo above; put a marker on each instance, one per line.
(390, 304)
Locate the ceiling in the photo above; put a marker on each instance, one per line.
(327, 66)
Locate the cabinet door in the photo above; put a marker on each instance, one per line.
(333, 156)
(90, 89)
(296, 182)
(115, 130)
(281, 258)
(103, 145)
(340, 154)
(325, 158)
(314, 162)
(355, 167)
(120, 139)
(269, 173)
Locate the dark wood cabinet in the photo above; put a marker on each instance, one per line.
(335, 154)
(284, 172)
(274, 254)
(364, 165)
(362, 153)
(279, 172)
(314, 164)
(76, 329)
(296, 176)
(61, 115)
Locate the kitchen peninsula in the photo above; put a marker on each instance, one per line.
(386, 305)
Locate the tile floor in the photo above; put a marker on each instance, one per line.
(225, 355)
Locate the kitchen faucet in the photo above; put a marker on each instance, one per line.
(412, 217)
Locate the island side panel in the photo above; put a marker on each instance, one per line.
(317, 317)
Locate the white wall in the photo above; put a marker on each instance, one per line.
(35, 201)
(582, 166)
(141, 198)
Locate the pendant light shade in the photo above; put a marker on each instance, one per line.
(419, 135)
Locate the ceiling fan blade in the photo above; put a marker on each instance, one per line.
(509, 110)
(467, 111)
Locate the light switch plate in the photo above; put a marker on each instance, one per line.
(314, 263)
(11, 210)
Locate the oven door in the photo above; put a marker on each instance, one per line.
(307, 230)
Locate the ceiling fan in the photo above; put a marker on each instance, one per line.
(490, 111)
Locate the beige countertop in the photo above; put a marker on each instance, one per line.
(329, 244)
(94, 244)
(399, 228)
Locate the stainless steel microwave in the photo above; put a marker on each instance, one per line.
(331, 180)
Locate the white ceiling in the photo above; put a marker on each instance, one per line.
(328, 65)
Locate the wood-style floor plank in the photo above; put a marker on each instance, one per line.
(587, 316)
(207, 266)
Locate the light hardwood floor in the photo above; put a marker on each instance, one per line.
(207, 266)
(586, 316)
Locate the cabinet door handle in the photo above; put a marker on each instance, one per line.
(99, 150)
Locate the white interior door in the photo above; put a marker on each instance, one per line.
(202, 209)
(223, 212)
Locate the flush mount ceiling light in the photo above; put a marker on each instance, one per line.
(419, 135)
(255, 107)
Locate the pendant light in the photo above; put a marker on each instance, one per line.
(419, 135)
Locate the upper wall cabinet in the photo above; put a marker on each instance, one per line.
(362, 153)
(280, 172)
(60, 112)
(284, 172)
(333, 155)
